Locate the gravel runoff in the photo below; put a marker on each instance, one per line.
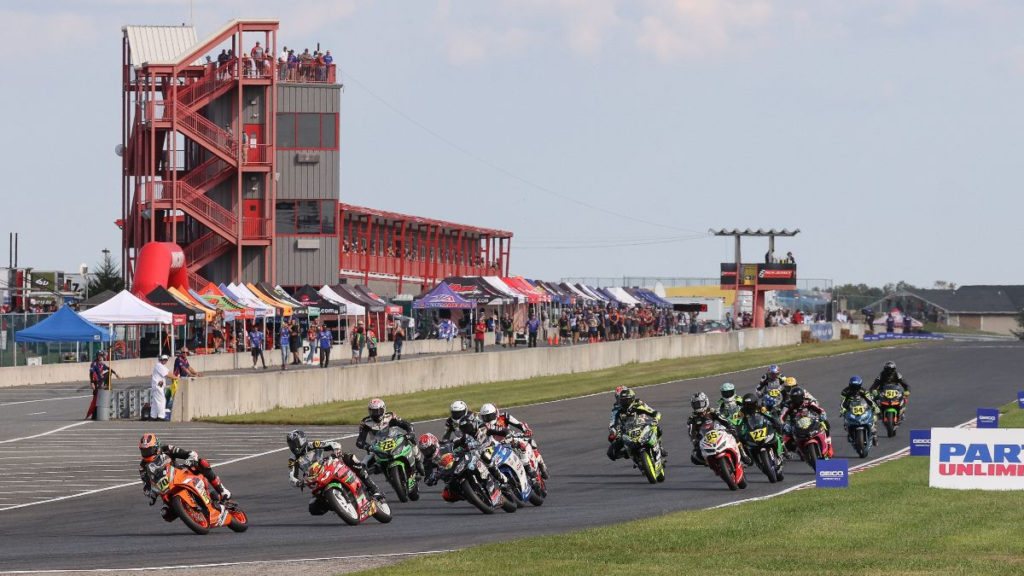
(313, 567)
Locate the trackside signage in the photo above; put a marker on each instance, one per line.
(920, 442)
(832, 473)
(988, 418)
(977, 458)
(1020, 400)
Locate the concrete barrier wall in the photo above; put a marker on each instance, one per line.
(239, 394)
(78, 372)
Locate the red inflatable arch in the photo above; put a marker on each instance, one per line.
(159, 264)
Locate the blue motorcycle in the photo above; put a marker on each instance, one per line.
(517, 486)
(860, 419)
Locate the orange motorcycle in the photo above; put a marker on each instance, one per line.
(188, 497)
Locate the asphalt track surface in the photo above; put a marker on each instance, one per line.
(115, 528)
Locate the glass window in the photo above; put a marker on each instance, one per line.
(286, 130)
(308, 126)
(285, 213)
(330, 131)
(327, 216)
(307, 217)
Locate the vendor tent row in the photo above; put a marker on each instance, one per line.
(469, 291)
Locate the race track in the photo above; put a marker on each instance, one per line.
(115, 528)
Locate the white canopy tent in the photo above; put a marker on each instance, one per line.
(351, 308)
(250, 300)
(504, 289)
(125, 308)
(623, 296)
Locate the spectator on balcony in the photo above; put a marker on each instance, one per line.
(293, 64)
(321, 67)
(282, 64)
(222, 58)
(258, 57)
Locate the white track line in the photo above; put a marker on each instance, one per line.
(54, 431)
(44, 400)
(222, 564)
(138, 482)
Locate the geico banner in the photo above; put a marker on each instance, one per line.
(973, 458)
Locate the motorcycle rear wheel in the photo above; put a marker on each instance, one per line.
(342, 506)
(508, 506)
(647, 467)
(196, 520)
(400, 482)
(383, 512)
(473, 498)
(239, 521)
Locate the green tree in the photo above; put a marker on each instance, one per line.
(106, 277)
(1020, 322)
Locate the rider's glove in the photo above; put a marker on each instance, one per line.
(296, 482)
(611, 436)
(906, 394)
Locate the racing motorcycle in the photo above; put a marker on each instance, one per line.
(640, 439)
(772, 401)
(859, 419)
(518, 488)
(466, 475)
(525, 448)
(395, 456)
(722, 454)
(811, 441)
(335, 485)
(187, 495)
(764, 446)
(890, 401)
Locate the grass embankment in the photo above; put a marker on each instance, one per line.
(889, 522)
(434, 403)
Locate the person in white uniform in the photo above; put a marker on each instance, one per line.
(157, 386)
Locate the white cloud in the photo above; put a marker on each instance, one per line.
(699, 29)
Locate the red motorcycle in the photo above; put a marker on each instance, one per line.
(811, 441)
(336, 486)
(722, 455)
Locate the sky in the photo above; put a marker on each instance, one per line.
(609, 136)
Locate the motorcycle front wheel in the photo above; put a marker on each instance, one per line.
(382, 513)
(400, 482)
(726, 471)
(195, 519)
(470, 495)
(813, 455)
(342, 506)
(239, 521)
(765, 463)
(890, 423)
(860, 442)
(647, 466)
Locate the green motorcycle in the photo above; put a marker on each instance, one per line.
(395, 456)
(640, 439)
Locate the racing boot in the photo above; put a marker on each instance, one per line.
(168, 514)
(370, 485)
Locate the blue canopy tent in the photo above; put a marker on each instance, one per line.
(442, 296)
(65, 325)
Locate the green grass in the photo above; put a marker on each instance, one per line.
(889, 522)
(942, 328)
(434, 403)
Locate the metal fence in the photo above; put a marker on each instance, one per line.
(33, 352)
(809, 284)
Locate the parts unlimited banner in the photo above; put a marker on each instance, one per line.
(977, 458)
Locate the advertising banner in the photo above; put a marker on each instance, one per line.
(988, 418)
(777, 276)
(920, 442)
(833, 473)
(822, 332)
(977, 458)
(1020, 400)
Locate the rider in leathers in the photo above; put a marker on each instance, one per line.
(799, 402)
(749, 406)
(498, 424)
(702, 413)
(305, 452)
(889, 375)
(151, 448)
(772, 378)
(378, 421)
(458, 411)
(854, 389)
(626, 405)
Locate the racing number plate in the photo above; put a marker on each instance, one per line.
(775, 393)
(858, 410)
(711, 437)
(759, 435)
(387, 445)
(163, 484)
(890, 394)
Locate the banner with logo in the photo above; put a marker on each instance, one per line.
(988, 418)
(833, 473)
(1020, 400)
(822, 332)
(920, 442)
(977, 458)
(899, 336)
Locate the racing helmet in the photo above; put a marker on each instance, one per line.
(488, 413)
(625, 398)
(789, 382)
(750, 404)
(297, 442)
(856, 381)
(376, 409)
(797, 396)
(727, 390)
(428, 445)
(773, 371)
(448, 460)
(149, 446)
(889, 366)
(700, 403)
(458, 409)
